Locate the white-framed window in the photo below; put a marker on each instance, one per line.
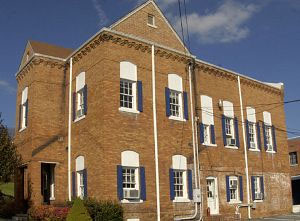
(252, 135)
(176, 104)
(229, 124)
(23, 112)
(80, 96)
(127, 94)
(80, 179)
(131, 177)
(179, 165)
(258, 194)
(269, 140)
(176, 98)
(128, 87)
(293, 158)
(207, 120)
(151, 20)
(234, 188)
(252, 129)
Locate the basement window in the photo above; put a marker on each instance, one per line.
(151, 20)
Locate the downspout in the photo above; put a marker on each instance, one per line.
(69, 130)
(194, 148)
(245, 150)
(155, 136)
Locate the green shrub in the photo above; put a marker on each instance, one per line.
(78, 212)
(104, 210)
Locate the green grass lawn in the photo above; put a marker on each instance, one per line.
(7, 188)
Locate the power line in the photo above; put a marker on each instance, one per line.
(187, 26)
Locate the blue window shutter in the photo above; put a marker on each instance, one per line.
(265, 136)
(212, 134)
(258, 135)
(20, 116)
(167, 96)
(74, 106)
(140, 96)
(143, 183)
(227, 189)
(74, 195)
(247, 133)
(201, 132)
(120, 182)
(172, 192)
(85, 94)
(224, 130)
(241, 188)
(190, 184)
(26, 113)
(236, 130)
(252, 187)
(274, 139)
(262, 186)
(186, 109)
(85, 183)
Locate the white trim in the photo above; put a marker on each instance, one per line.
(236, 73)
(23, 128)
(126, 201)
(232, 147)
(177, 118)
(181, 200)
(270, 151)
(40, 55)
(79, 118)
(160, 12)
(209, 145)
(291, 138)
(254, 150)
(129, 110)
(152, 26)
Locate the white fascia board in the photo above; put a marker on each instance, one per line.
(39, 55)
(274, 85)
(292, 138)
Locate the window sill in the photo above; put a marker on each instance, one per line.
(209, 145)
(177, 118)
(270, 151)
(232, 147)
(235, 202)
(79, 118)
(293, 165)
(152, 26)
(181, 200)
(254, 150)
(126, 201)
(52, 198)
(124, 109)
(22, 129)
(258, 201)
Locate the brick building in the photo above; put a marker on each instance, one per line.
(294, 151)
(132, 116)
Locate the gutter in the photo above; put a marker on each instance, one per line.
(155, 135)
(245, 150)
(69, 130)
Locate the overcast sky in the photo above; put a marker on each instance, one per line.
(258, 38)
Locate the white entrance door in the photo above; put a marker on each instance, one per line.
(212, 195)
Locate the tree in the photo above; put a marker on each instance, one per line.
(9, 158)
(78, 212)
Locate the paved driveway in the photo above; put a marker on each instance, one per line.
(292, 217)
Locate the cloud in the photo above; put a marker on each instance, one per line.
(164, 4)
(100, 12)
(226, 24)
(4, 85)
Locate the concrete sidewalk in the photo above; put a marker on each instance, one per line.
(292, 217)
